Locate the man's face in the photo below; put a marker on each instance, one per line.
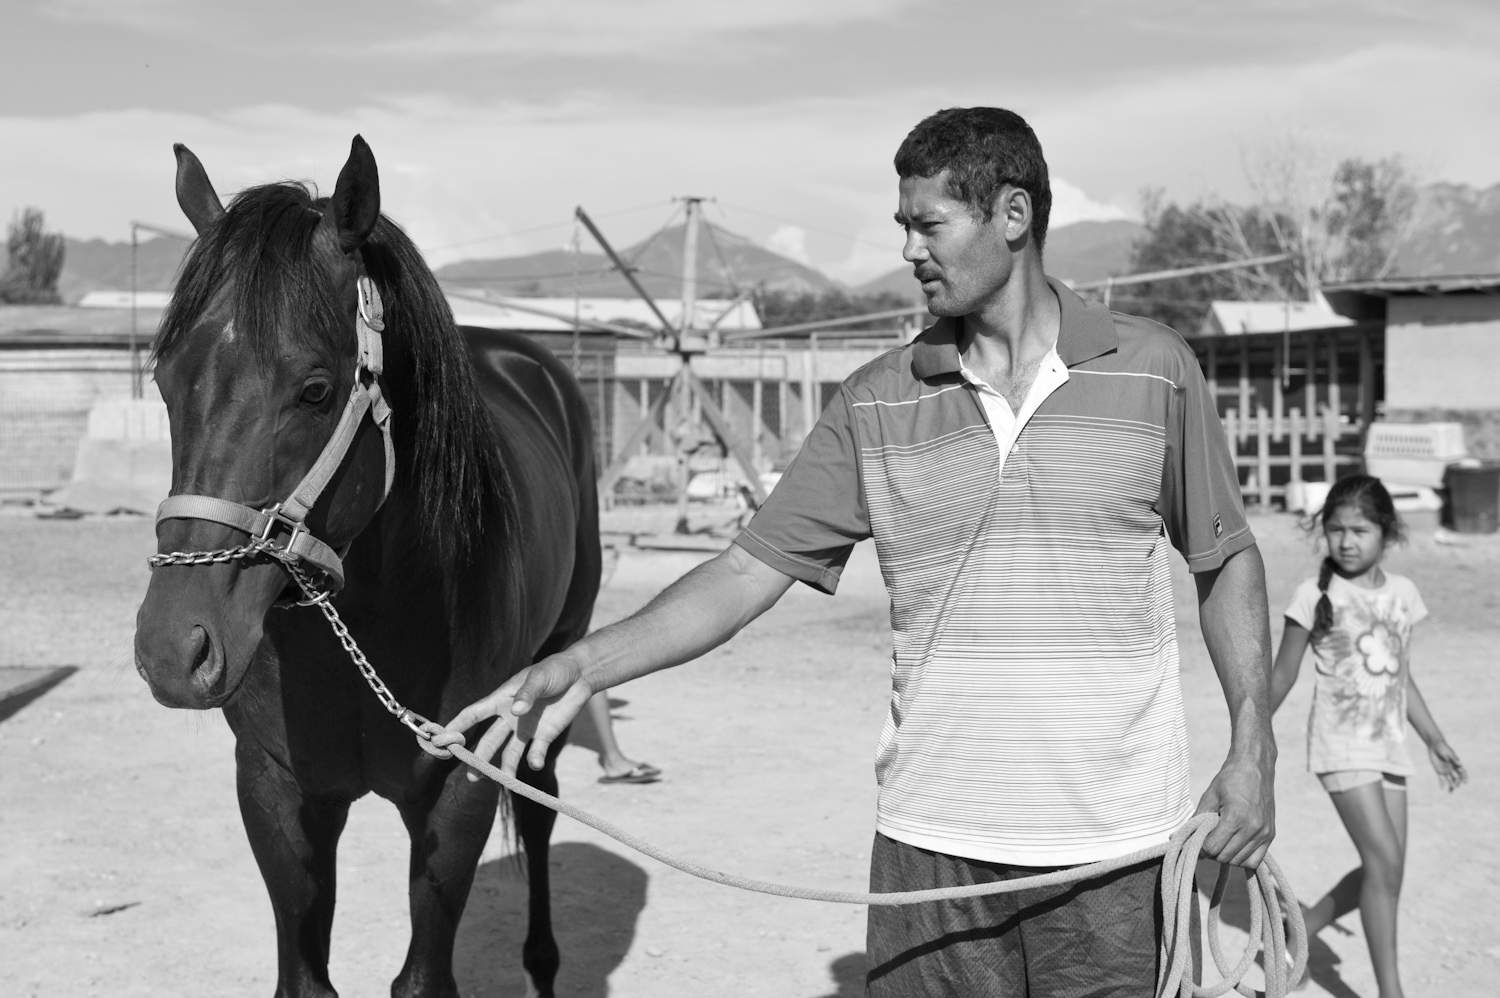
(961, 261)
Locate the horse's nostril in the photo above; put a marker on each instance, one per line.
(207, 668)
(204, 647)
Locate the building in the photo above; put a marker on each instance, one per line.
(1235, 318)
(1441, 337)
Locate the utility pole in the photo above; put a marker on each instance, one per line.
(690, 263)
(682, 428)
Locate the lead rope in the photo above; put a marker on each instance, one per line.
(1275, 916)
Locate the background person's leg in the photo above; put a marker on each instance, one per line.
(617, 765)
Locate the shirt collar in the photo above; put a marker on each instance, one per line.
(1085, 331)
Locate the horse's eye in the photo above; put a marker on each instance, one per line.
(316, 392)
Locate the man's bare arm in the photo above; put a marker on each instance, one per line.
(691, 617)
(1233, 613)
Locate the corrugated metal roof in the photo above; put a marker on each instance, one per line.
(1366, 299)
(495, 315)
(1387, 287)
(1235, 318)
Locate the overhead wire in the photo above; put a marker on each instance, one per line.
(539, 228)
(805, 225)
(641, 249)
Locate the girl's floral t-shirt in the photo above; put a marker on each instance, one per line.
(1359, 701)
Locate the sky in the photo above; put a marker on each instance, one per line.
(491, 119)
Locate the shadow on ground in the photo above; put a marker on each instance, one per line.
(848, 973)
(597, 898)
(23, 685)
(1322, 961)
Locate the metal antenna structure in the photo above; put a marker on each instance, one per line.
(686, 391)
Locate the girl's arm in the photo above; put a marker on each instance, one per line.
(1444, 760)
(1294, 639)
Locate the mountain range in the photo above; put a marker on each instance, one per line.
(727, 263)
(1456, 231)
(1083, 251)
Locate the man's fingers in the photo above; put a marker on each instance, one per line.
(1242, 846)
(482, 709)
(490, 743)
(512, 756)
(536, 754)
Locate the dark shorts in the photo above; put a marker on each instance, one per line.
(1085, 940)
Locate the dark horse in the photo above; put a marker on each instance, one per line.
(484, 558)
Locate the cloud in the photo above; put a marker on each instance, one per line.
(661, 28)
(791, 242)
(1185, 131)
(488, 173)
(599, 27)
(1070, 204)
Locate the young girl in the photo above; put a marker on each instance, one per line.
(1358, 620)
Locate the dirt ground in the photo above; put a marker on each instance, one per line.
(125, 870)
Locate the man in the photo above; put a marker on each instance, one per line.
(1022, 466)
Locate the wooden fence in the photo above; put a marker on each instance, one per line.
(1293, 442)
(1295, 406)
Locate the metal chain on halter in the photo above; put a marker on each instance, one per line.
(219, 557)
(321, 599)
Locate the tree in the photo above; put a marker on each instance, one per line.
(1340, 224)
(1201, 233)
(34, 261)
(788, 308)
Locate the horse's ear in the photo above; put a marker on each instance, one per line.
(355, 206)
(195, 195)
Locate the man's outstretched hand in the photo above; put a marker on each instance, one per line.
(1241, 795)
(537, 703)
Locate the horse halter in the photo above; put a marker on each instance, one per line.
(280, 530)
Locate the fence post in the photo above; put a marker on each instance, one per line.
(1263, 457)
(1330, 440)
(1366, 383)
(1245, 379)
(1296, 444)
(1310, 385)
(757, 401)
(1280, 359)
(1335, 396)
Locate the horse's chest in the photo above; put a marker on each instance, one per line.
(314, 710)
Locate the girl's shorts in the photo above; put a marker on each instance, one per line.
(1347, 779)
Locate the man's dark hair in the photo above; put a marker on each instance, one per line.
(983, 149)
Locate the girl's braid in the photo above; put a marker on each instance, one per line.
(1323, 615)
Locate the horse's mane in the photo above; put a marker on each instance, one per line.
(447, 449)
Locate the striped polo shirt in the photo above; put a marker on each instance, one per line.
(1036, 714)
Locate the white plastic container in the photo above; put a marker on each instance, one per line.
(1413, 453)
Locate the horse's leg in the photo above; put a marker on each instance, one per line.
(449, 828)
(295, 840)
(539, 954)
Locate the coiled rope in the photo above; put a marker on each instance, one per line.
(1275, 916)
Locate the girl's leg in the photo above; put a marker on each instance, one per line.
(611, 759)
(1367, 814)
(1344, 897)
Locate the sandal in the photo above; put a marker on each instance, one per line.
(641, 772)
